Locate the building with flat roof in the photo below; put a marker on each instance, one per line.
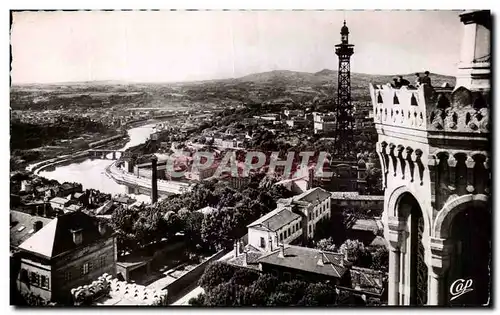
(109, 291)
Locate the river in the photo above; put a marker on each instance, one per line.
(92, 174)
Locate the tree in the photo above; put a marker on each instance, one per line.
(380, 259)
(223, 294)
(192, 229)
(326, 244)
(216, 228)
(197, 301)
(280, 299)
(266, 283)
(319, 294)
(294, 288)
(215, 274)
(353, 249)
(244, 277)
(374, 181)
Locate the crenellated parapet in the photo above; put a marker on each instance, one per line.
(431, 109)
(403, 107)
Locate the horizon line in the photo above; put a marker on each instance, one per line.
(214, 79)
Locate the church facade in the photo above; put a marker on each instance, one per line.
(434, 147)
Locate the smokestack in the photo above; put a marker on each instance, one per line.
(242, 246)
(281, 254)
(154, 180)
(320, 260)
(245, 258)
(77, 236)
(37, 226)
(270, 242)
(102, 228)
(236, 248)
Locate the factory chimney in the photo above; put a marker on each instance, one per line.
(154, 179)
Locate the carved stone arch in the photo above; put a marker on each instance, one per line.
(393, 207)
(442, 225)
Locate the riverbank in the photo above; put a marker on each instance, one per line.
(129, 179)
(115, 140)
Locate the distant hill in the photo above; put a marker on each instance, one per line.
(301, 87)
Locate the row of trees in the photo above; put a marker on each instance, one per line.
(226, 285)
(376, 258)
(234, 210)
(27, 136)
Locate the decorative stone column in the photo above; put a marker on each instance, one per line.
(396, 237)
(438, 266)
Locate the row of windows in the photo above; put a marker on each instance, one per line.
(287, 276)
(85, 269)
(287, 233)
(34, 278)
(314, 214)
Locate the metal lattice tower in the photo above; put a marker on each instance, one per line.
(345, 118)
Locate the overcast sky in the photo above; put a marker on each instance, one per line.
(168, 46)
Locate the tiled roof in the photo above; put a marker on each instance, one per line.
(307, 259)
(354, 195)
(59, 200)
(368, 280)
(366, 225)
(18, 234)
(56, 238)
(252, 260)
(313, 195)
(275, 219)
(78, 195)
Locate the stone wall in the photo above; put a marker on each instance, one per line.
(189, 280)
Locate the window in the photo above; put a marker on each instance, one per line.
(68, 276)
(316, 213)
(275, 273)
(281, 236)
(24, 276)
(289, 232)
(85, 269)
(102, 261)
(310, 229)
(262, 242)
(90, 266)
(34, 278)
(297, 226)
(45, 282)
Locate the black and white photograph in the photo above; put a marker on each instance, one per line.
(250, 158)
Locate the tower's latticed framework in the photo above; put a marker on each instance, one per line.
(434, 149)
(345, 120)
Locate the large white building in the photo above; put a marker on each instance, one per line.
(293, 221)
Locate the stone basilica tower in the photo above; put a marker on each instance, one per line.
(434, 148)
